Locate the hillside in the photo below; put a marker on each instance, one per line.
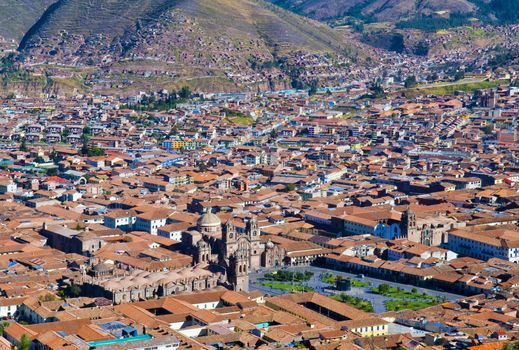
(154, 42)
(377, 10)
(416, 11)
(17, 16)
(124, 18)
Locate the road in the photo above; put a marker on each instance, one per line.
(316, 283)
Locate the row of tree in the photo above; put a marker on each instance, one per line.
(151, 103)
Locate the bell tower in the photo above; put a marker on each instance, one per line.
(229, 239)
(253, 233)
(203, 253)
(240, 271)
(408, 222)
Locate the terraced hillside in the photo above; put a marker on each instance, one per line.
(107, 17)
(17, 16)
(233, 18)
(219, 42)
(379, 10)
(488, 11)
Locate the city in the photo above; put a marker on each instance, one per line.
(241, 193)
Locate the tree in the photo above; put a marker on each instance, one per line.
(184, 93)
(383, 288)
(432, 77)
(460, 74)
(23, 145)
(202, 167)
(7, 63)
(377, 91)
(3, 326)
(290, 187)
(358, 27)
(24, 343)
(87, 130)
(52, 172)
(338, 281)
(75, 290)
(95, 151)
(410, 82)
(487, 129)
(48, 297)
(313, 88)
(84, 147)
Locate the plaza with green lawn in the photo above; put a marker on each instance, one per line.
(358, 303)
(405, 299)
(407, 304)
(332, 279)
(286, 286)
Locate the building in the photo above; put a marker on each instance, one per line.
(238, 253)
(486, 242)
(427, 229)
(72, 241)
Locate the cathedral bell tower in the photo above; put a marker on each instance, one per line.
(229, 239)
(203, 253)
(240, 271)
(408, 222)
(253, 233)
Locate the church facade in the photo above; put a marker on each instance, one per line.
(238, 253)
(431, 230)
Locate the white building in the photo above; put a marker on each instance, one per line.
(7, 185)
(485, 242)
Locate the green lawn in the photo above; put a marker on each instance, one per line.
(328, 278)
(405, 304)
(286, 286)
(405, 300)
(358, 303)
(289, 276)
(399, 293)
(242, 120)
(360, 284)
(451, 88)
(332, 279)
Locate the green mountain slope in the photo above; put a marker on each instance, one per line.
(378, 10)
(489, 11)
(120, 44)
(17, 16)
(235, 18)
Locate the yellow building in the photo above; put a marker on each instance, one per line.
(368, 327)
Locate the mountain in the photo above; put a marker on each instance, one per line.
(150, 43)
(123, 18)
(489, 11)
(17, 16)
(377, 10)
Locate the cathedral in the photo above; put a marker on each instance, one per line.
(238, 253)
(429, 229)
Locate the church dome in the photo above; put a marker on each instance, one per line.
(209, 220)
(101, 267)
